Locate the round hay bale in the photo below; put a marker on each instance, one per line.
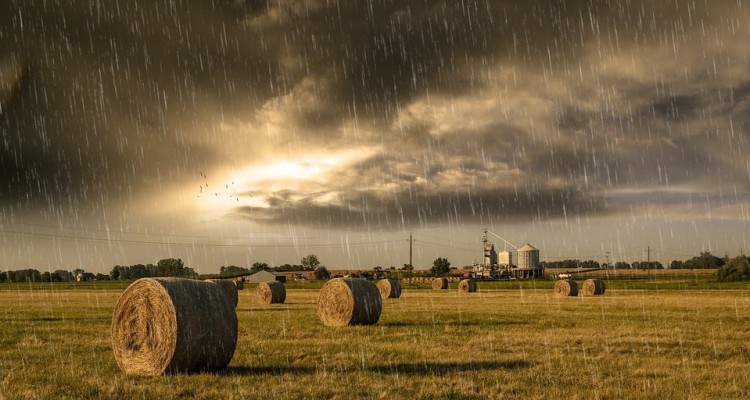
(440, 283)
(467, 286)
(271, 292)
(229, 288)
(566, 287)
(240, 284)
(170, 325)
(349, 301)
(593, 287)
(389, 288)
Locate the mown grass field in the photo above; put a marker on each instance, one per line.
(651, 338)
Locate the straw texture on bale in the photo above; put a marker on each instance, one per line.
(229, 288)
(593, 287)
(389, 288)
(271, 292)
(467, 286)
(240, 283)
(566, 287)
(170, 325)
(440, 283)
(349, 301)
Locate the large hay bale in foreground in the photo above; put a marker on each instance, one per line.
(271, 292)
(229, 288)
(349, 301)
(170, 325)
(389, 288)
(593, 287)
(440, 283)
(566, 287)
(467, 286)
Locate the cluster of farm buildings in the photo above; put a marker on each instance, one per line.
(495, 265)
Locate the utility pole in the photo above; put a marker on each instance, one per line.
(648, 254)
(411, 266)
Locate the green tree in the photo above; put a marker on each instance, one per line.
(287, 267)
(260, 266)
(705, 260)
(441, 266)
(310, 262)
(78, 273)
(321, 273)
(410, 269)
(735, 270)
(170, 267)
(647, 265)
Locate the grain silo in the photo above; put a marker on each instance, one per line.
(505, 258)
(504, 262)
(528, 263)
(490, 255)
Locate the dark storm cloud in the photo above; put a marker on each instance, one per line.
(375, 56)
(415, 209)
(112, 92)
(103, 100)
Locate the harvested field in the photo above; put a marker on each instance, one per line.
(500, 342)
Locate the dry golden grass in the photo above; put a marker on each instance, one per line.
(501, 343)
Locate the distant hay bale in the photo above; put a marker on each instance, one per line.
(230, 289)
(467, 286)
(349, 301)
(566, 287)
(171, 325)
(593, 287)
(271, 292)
(389, 288)
(440, 283)
(240, 284)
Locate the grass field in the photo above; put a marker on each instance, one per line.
(650, 338)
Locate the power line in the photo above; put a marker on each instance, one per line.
(38, 235)
(162, 234)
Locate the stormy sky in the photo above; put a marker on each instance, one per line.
(228, 132)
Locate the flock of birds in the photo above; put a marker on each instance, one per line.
(204, 185)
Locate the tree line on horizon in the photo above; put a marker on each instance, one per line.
(705, 260)
(168, 267)
(728, 269)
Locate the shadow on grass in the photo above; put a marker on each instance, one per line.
(454, 322)
(433, 368)
(270, 370)
(424, 368)
(272, 307)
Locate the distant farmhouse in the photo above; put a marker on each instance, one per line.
(265, 276)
